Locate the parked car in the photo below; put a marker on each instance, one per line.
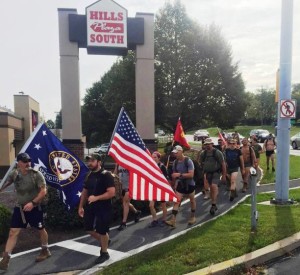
(295, 141)
(200, 135)
(260, 134)
(103, 148)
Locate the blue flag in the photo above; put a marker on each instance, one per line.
(61, 168)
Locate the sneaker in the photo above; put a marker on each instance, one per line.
(122, 226)
(192, 220)
(137, 216)
(213, 210)
(161, 223)
(273, 169)
(104, 256)
(44, 254)
(153, 224)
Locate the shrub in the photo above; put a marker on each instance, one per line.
(58, 216)
(5, 223)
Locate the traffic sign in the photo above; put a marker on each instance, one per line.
(288, 108)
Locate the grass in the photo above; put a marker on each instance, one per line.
(225, 238)
(269, 177)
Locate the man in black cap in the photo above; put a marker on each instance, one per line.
(31, 190)
(95, 205)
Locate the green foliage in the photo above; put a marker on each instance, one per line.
(261, 108)
(50, 124)
(58, 121)
(5, 216)
(57, 215)
(195, 78)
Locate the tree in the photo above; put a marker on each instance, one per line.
(261, 108)
(58, 121)
(102, 102)
(195, 77)
(50, 124)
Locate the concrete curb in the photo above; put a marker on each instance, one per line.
(257, 257)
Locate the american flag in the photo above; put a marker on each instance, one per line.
(146, 181)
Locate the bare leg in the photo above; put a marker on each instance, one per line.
(12, 239)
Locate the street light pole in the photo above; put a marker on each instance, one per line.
(283, 129)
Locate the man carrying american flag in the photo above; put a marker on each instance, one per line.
(146, 181)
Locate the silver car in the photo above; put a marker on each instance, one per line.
(295, 141)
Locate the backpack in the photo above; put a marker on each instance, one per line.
(204, 157)
(198, 173)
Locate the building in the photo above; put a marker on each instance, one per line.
(16, 127)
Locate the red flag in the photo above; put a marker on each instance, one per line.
(179, 135)
(146, 181)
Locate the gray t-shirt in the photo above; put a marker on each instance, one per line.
(181, 167)
(123, 176)
(27, 186)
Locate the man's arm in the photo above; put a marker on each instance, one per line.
(83, 199)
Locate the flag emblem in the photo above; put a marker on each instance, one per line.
(65, 166)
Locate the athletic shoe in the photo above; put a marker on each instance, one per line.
(122, 226)
(213, 210)
(104, 256)
(137, 216)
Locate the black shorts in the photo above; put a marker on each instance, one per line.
(232, 170)
(183, 190)
(35, 218)
(270, 153)
(97, 218)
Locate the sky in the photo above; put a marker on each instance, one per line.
(29, 47)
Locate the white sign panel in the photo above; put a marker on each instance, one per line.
(288, 108)
(106, 25)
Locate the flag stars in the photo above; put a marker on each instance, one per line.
(44, 133)
(37, 146)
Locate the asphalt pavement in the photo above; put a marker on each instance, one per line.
(80, 253)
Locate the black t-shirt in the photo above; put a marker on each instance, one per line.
(97, 184)
(232, 158)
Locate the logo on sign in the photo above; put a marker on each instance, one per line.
(106, 25)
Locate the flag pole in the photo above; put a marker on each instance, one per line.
(23, 149)
(112, 136)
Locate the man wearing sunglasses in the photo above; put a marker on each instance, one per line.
(31, 190)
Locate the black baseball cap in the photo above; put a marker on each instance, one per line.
(95, 156)
(23, 157)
